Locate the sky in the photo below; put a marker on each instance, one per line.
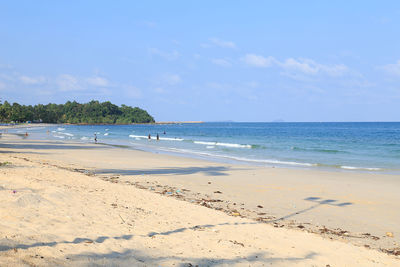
(207, 60)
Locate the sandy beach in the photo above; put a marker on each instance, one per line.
(73, 204)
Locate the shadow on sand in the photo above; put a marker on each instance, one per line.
(319, 202)
(44, 146)
(8, 244)
(133, 257)
(208, 170)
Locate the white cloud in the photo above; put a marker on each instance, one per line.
(221, 62)
(6, 66)
(98, 81)
(309, 66)
(302, 65)
(393, 69)
(159, 90)
(172, 79)
(7, 77)
(166, 55)
(32, 80)
(2, 86)
(252, 84)
(68, 82)
(150, 24)
(258, 61)
(222, 43)
(132, 91)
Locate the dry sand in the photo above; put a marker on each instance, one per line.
(82, 205)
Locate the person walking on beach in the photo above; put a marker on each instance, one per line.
(95, 138)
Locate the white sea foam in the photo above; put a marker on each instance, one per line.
(360, 168)
(84, 138)
(204, 143)
(68, 134)
(106, 134)
(221, 144)
(262, 161)
(138, 137)
(60, 129)
(210, 147)
(59, 136)
(271, 161)
(171, 139)
(36, 128)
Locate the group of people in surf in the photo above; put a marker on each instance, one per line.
(157, 137)
(148, 137)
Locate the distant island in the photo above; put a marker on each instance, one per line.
(94, 112)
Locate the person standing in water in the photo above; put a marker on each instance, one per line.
(95, 138)
(149, 137)
(158, 137)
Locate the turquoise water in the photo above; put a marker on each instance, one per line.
(373, 147)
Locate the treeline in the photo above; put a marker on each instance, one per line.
(93, 112)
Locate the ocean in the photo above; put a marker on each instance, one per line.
(350, 146)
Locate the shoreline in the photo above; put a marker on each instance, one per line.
(229, 159)
(318, 202)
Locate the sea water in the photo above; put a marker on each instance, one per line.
(362, 146)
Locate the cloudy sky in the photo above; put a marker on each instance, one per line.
(209, 60)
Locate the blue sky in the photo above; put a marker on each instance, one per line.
(207, 60)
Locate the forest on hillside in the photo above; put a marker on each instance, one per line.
(94, 112)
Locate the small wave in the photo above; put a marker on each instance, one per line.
(171, 139)
(333, 151)
(360, 168)
(84, 138)
(221, 144)
(68, 134)
(138, 137)
(106, 134)
(210, 147)
(60, 129)
(271, 161)
(262, 161)
(36, 128)
(59, 136)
